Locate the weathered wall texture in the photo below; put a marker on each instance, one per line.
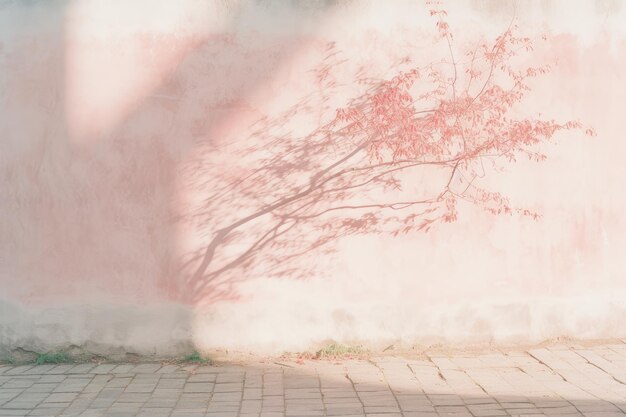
(117, 116)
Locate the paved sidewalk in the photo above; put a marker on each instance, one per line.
(556, 381)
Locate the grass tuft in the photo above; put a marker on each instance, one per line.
(195, 357)
(337, 350)
(56, 357)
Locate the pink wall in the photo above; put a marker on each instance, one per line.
(120, 121)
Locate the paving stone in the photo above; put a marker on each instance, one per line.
(168, 369)
(202, 378)
(172, 383)
(82, 368)
(93, 413)
(154, 412)
(140, 388)
(103, 368)
(51, 378)
(228, 387)
(118, 382)
(198, 387)
(60, 369)
(61, 397)
(43, 387)
(122, 369)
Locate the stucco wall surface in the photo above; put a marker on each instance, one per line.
(119, 119)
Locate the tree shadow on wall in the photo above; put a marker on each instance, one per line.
(396, 158)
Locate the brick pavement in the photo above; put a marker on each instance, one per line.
(555, 381)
